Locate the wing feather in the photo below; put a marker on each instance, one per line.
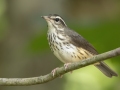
(79, 41)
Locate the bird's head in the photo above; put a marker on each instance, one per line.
(55, 21)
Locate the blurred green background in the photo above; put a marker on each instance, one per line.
(24, 51)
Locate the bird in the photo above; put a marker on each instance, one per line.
(69, 46)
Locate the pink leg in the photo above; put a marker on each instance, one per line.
(54, 71)
(66, 65)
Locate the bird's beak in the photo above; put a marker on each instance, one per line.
(46, 18)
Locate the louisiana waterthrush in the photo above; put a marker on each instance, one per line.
(69, 46)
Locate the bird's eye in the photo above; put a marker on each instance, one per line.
(57, 19)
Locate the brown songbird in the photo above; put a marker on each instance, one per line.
(69, 46)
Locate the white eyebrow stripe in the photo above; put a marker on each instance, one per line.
(61, 20)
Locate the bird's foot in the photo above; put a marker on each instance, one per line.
(54, 71)
(66, 65)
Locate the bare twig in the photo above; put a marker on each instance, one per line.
(60, 71)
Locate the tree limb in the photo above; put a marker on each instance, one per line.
(60, 71)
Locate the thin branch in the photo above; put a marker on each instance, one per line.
(60, 71)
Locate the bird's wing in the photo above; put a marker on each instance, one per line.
(79, 41)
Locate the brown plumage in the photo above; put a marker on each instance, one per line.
(69, 46)
(80, 42)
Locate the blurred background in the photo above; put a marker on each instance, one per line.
(24, 50)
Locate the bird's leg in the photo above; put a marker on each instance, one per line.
(54, 71)
(66, 65)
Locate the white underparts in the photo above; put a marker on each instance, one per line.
(65, 51)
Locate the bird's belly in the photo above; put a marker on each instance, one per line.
(69, 54)
(65, 55)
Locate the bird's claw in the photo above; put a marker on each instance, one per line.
(54, 71)
(66, 65)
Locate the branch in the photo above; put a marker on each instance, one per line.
(60, 71)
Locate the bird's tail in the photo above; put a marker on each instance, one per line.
(106, 69)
